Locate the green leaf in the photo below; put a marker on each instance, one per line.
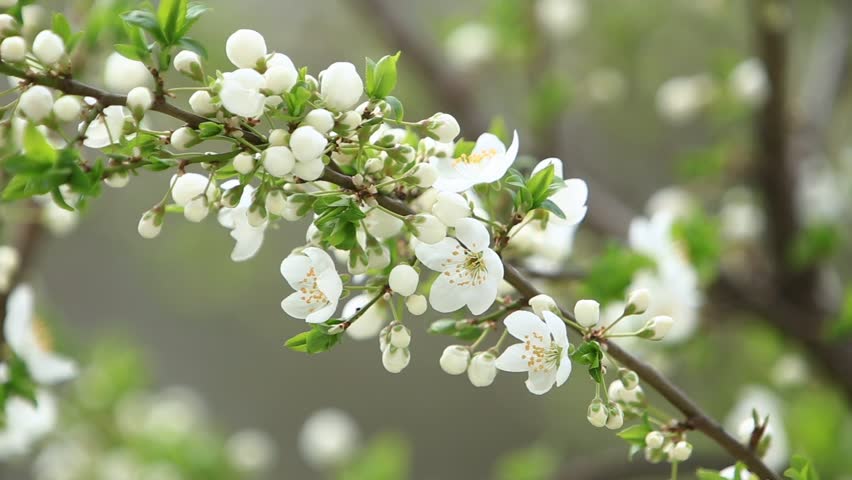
(193, 45)
(37, 148)
(61, 27)
(382, 77)
(315, 340)
(463, 147)
(170, 16)
(147, 21)
(801, 469)
(550, 206)
(635, 434)
(702, 238)
(210, 129)
(814, 245)
(396, 107)
(539, 185)
(131, 51)
(612, 272)
(193, 12)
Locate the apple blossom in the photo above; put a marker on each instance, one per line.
(318, 286)
(681, 451)
(428, 229)
(150, 224)
(588, 312)
(48, 47)
(249, 238)
(488, 162)
(543, 353)
(280, 79)
(615, 416)
(309, 170)
(278, 161)
(395, 359)
(122, 74)
(482, 369)
(183, 138)
(244, 163)
(597, 414)
(321, 119)
(371, 322)
(241, 92)
(196, 209)
(8, 24)
(403, 280)
(425, 175)
(107, 128)
(139, 101)
(187, 62)
(117, 180)
(638, 301)
(657, 327)
(190, 185)
(654, 439)
(444, 126)
(382, 224)
(245, 48)
(26, 423)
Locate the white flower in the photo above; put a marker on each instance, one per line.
(425, 175)
(470, 270)
(395, 359)
(328, 438)
(202, 103)
(150, 224)
(541, 303)
(370, 322)
(588, 312)
(245, 48)
(571, 198)
(416, 304)
(278, 161)
(321, 119)
(444, 126)
(748, 82)
(48, 47)
(482, 369)
(183, 138)
(673, 200)
(615, 416)
(455, 359)
(318, 286)
(190, 185)
(382, 224)
(740, 217)
(107, 128)
(13, 49)
(399, 336)
(8, 24)
(741, 422)
(561, 17)
(185, 61)
(249, 238)
(250, 451)
(619, 393)
(196, 209)
(67, 108)
(27, 338)
(26, 423)
(240, 93)
(307, 143)
(310, 170)
(658, 327)
(122, 74)
(654, 439)
(543, 353)
(470, 44)
(36, 103)
(487, 163)
(681, 451)
(280, 79)
(244, 163)
(679, 99)
(428, 229)
(674, 292)
(450, 208)
(403, 279)
(117, 180)
(139, 100)
(341, 86)
(597, 414)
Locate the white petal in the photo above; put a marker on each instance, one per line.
(571, 199)
(48, 368)
(449, 178)
(436, 255)
(330, 285)
(294, 269)
(322, 314)
(564, 370)
(557, 166)
(512, 359)
(444, 296)
(493, 266)
(557, 328)
(479, 298)
(294, 306)
(523, 325)
(320, 259)
(472, 234)
(248, 240)
(18, 326)
(540, 383)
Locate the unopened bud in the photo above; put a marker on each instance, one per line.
(637, 302)
(455, 359)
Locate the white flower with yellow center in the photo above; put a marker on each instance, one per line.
(470, 271)
(318, 286)
(249, 237)
(31, 341)
(487, 163)
(542, 353)
(26, 423)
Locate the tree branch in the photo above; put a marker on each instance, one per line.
(695, 417)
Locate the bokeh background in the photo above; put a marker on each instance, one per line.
(588, 95)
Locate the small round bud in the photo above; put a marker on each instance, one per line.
(36, 103)
(10, 259)
(190, 185)
(654, 439)
(256, 216)
(187, 62)
(399, 337)
(280, 79)
(48, 47)
(202, 103)
(597, 414)
(617, 392)
(425, 174)
(444, 126)
(450, 208)
(416, 304)
(279, 137)
(276, 203)
(8, 24)
(13, 49)
(657, 327)
(196, 209)
(543, 303)
(150, 224)
(139, 101)
(455, 359)
(117, 180)
(244, 163)
(615, 417)
(428, 229)
(278, 161)
(681, 451)
(183, 138)
(321, 119)
(588, 312)
(395, 359)
(67, 108)
(341, 86)
(628, 378)
(403, 280)
(307, 143)
(482, 369)
(245, 48)
(638, 301)
(350, 120)
(382, 224)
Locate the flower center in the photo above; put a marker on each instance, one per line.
(540, 355)
(310, 292)
(468, 271)
(43, 337)
(475, 158)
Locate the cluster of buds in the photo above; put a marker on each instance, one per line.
(671, 447)
(394, 340)
(609, 414)
(481, 367)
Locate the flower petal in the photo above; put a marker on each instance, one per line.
(557, 328)
(472, 234)
(449, 178)
(564, 370)
(18, 327)
(47, 368)
(437, 255)
(330, 284)
(522, 325)
(320, 259)
(249, 241)
(557, 166)
(444, 296)
(479, 298)
(540, 382)
(322, 314)
(294, 269)
(512, 359)
(294, 306)
(493, 265)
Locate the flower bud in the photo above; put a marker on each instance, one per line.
(244, 163)
(543, 303)
(276, 202)
(13, 49)
(202, 103)
(444, 126)
(36, 103)
(256, 215)
(425, 174)
(188, 63)
(280, 79)
(395, 359)
(183, 138)
(382, 224)
(455, 359)
(654, 439)
(374, 165)
(307, 143)
(350, 120)
(637, 302)
(617, 392)
(596, 414)
(117, 180)
(450, 207)
(587, 312)
(416, 304)
(403, 280)
(10, 260)
(309, 170)
(378, 258)
(428, 229)
(399, 337)
(654, 455)
(482, 369)
(681, 451)
(321, 119)
(615, 417)
(341, 86)
(278, 161)
(8, 24)
(48, 47)
(628, 378)
(139, 100)
(657, 327)
(151, 223)
(67, 108)
(279, 137)
(245, 48)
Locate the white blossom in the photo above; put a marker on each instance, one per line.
(117, 180)
(249, 238)
(470, 45)
(470, 270)
(183, 138)
(307, 143)
(107, 128)
(36, 103)
(488, 162)
(202, 103)
(280, 79)
(428, 229)
(48, 47)
(748, 82)
(450, 208)
(679, 99)
(341, 86)
(542, 303)
(318, 286)
(321, 119)
(139, 100)
(185, 61)
(122, 74)
(588, 312)
(416, 304)
(370, 322)
(767, 404)
(455, 359)
(241, 92)
(395, 359)
(67, 108)
(278, 161)
(403, 279)
(310, 170)
(654, 439)
(244, 163)
(681, 451)
(571, 198)
(444, 126)
(328, 438)
(382, 224)
(561, 17)
(196, 209)
(482, 369)
(245, 48)
(597, 414)
(13, 49)
(150, 224)
(543, 353)
(425, 175)
(251, 450)
(190, 185)
(26, 423)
